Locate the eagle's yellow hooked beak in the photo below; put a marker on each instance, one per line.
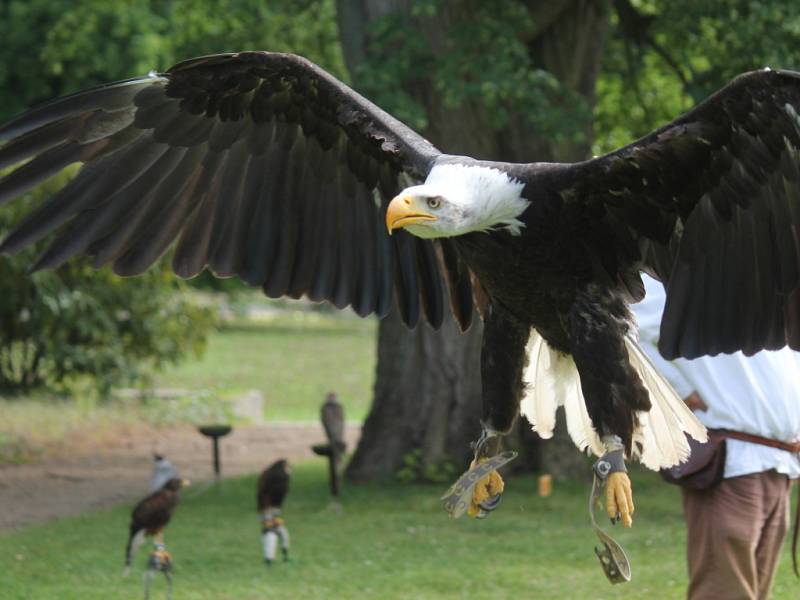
(403, 210)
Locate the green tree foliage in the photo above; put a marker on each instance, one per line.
(483, 56)
(665, 56)
(661, 58)
(54, 47)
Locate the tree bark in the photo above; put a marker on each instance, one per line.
(427, 390)
(425, 399)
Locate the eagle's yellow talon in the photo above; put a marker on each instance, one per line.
(488, 487)
(619, 498)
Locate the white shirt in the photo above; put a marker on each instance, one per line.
(759, 394)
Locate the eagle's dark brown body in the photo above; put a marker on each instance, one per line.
(543, 279)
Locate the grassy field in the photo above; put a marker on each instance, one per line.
(294, 359)
(389, 542)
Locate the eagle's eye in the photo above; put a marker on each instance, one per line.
(435, 202)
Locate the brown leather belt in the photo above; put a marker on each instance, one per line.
(793, 447)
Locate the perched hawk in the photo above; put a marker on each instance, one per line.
(273, 485)
(151, 515)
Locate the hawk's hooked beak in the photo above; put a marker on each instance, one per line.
(403, 211)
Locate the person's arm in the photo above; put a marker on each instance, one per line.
(695, 402)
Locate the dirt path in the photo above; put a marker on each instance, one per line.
(83, 479)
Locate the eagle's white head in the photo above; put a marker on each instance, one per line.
(457, 199)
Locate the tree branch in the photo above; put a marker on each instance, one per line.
(635, 27)
(544, 14)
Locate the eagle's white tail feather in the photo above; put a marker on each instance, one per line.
(662, 428)
(539, 403)
(579, 424)
(552, 380)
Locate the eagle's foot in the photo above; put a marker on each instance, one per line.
(619, 498)
(487, 493)
(478, 491)
(619, 495)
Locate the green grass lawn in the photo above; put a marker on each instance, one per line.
(294, 360)
(390, 542)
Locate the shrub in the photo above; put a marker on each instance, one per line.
(73, 322)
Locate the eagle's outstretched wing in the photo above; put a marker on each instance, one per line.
(260, 165)
(710, 204)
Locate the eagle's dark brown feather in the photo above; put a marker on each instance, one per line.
(206, 154)
(713, 202)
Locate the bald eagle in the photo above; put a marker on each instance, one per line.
(264, 166)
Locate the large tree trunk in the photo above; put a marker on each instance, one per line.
(427, 391)
(425, 399)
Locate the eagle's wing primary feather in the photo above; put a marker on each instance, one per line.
(710, 204)
(257, 164)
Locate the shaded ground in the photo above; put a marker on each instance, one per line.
(82, 478)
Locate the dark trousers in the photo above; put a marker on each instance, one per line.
(735, 534)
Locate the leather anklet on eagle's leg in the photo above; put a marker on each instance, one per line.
(619, 495)
(478, 491)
